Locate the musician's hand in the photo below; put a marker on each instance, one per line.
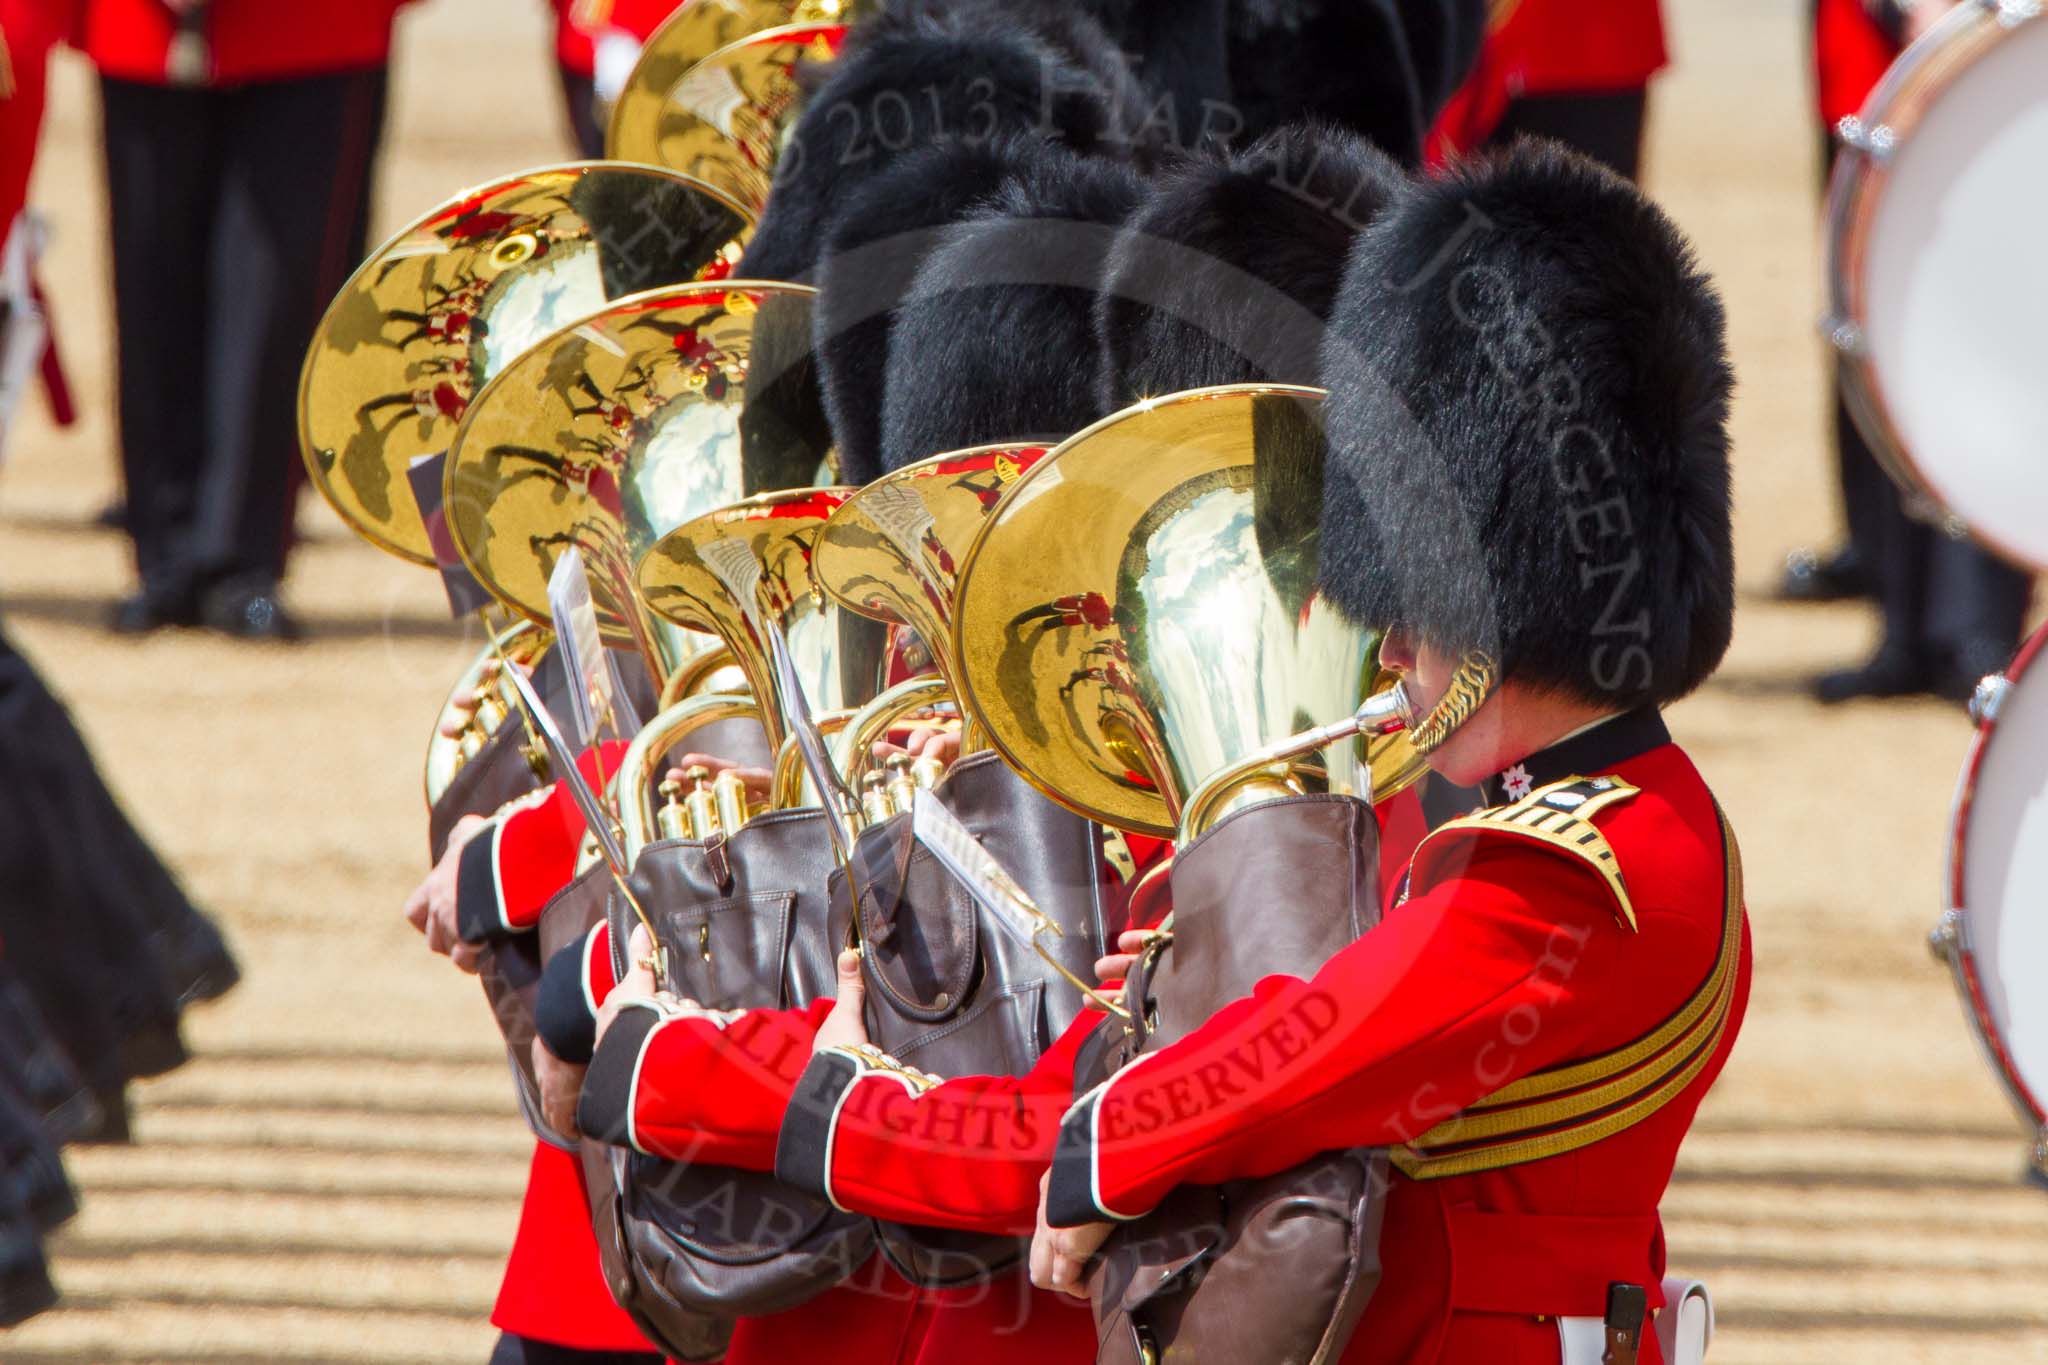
(431, 907)
(637, 984)
(847, 1024)
(1060, 1256)
(560, 1084)
(1117, 965)
(923, 742)
(462, 706)
(758, 780)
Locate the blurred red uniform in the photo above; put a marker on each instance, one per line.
(1576, 70)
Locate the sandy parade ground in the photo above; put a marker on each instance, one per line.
(336, 1176)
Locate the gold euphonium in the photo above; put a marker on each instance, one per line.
(613, 432)
(435, 313)
(892, 553)
(640, 125)
(726, 117)
(745, 570)
(1139, 630)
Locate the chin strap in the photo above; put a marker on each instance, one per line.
(1470, 686)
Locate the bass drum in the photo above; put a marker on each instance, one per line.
(1995, 933)
(1940, 305)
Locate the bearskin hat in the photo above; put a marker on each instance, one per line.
(873, 248)
(995, 340)
(1382, 68)
(915, 78)
(1529, 390)
(1227, 272)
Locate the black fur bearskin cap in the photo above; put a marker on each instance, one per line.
(917, 77)
(1529, 391)
(1227, 272)
(873, 248)
(995, 340)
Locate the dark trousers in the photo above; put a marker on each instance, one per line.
(579, 106)
(1607, 127)
(1946, 603)
(236, 215)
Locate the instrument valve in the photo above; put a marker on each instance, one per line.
(701, 802)
(672, 819)
(874, 798)
(901, 783)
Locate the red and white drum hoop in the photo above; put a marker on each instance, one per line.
(1994, 934)
(1940, 304)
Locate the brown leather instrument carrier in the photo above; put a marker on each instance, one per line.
(1275, 1270)
(951, 992)
(743, 921)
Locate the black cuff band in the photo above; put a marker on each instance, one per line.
(561, 1007)
(476, 890)
(606, 1105)
(1070, 1193)
(803, 1149)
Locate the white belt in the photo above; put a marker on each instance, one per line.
(1685, 1327)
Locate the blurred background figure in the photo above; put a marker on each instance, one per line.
(1577, 71)
(99, 948)
(1951, 611)
(596, 45)
(240, 136)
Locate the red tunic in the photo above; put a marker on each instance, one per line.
(251, 40)
(1551, 47)
(28, 30)
(1851, 52)
(554, 1288)
(1424, 1015)
(713, 1086)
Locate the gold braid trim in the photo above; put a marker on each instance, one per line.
(1499, 1131)
(1469, 688)
(1559, 815)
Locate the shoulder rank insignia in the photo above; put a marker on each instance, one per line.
(1560, 815)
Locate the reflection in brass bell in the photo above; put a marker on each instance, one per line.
(874, 798)
(672, 820)
(683, 41)
(702, 803)
(1180, 630)
(728, 118)
(450, 301)
(631, 451)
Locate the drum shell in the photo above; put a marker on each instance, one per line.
(1276, 1269)
(1955, 939)
(948, 991)
(1871, 144)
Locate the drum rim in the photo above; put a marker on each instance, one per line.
(1962, 957)
(1912, 86)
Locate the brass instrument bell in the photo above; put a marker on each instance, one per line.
(1141, 614)
(892, 551)
(613, 432)
(839, 655)
(727, 119)
(694, 32)
(447, 303)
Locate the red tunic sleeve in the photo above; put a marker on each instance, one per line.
(510, 870)
(879, 1138)
(678, 1081)
(1484, 977)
